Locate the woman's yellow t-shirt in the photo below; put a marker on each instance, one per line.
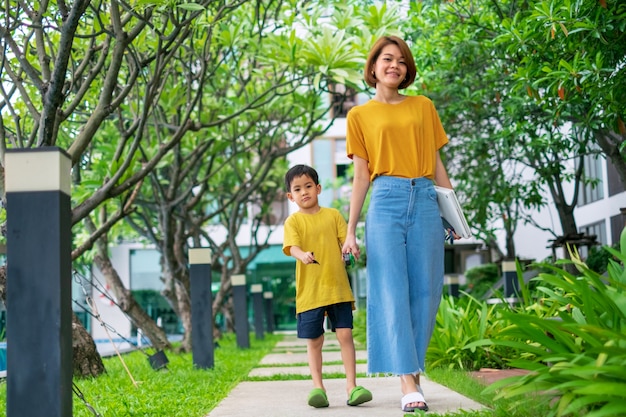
(322, 233)
(399, 140)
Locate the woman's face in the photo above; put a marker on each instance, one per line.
(390, 67)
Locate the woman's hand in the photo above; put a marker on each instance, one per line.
(451, 235)
(350, 246)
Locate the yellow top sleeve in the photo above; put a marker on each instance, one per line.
(399, 140)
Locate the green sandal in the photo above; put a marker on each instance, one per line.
(359, 395)
(318, 398)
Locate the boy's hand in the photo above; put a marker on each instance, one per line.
(309, 258)
(304, 257)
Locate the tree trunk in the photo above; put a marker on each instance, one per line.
(221, 298)
(611, 144)
(86, 359)
(567, 219)
(3, 284)
(124, 297)
(568, 223)
(129, 305)
(184, 314)
(183, 283)
(229, 315)
(510, 247)
(565, 210)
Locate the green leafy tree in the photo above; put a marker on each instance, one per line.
(229, 173)
(510, 139)
(460, 70)
(130, 90)
(67, 69)
(572, 56)
(118, 87)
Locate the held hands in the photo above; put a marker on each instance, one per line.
(350, 246)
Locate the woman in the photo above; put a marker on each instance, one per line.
(394, 142)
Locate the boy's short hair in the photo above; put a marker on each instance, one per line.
(411, 70)
(298, 171)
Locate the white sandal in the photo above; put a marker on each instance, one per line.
(414, 397)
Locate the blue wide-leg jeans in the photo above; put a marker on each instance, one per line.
(404, 241)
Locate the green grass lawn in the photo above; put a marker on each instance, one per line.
(179, 390)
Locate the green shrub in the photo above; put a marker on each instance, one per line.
(359, 332)
(578, 353)
(460, 323)
(481, 278)
(598, 259)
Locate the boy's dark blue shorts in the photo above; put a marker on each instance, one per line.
(311, 322)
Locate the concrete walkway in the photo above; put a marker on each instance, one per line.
(288, 398)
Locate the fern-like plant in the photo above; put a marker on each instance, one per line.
(576, 355)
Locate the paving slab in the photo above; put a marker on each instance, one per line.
(293, 341)
(301, 370)
(293, 357)
(298, 345)
(289, 399)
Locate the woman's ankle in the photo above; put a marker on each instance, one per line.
(408, 383)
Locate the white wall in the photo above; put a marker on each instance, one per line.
(110, 313)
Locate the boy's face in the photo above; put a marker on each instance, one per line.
(304, 192)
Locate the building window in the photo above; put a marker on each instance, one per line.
(593, 190)
(595, 229)
(613, 180)
(341, 160)
(331, 162)
(617, 226)
(146, 285)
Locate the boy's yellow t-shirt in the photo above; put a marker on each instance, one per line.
(322, 233)
(399, 140)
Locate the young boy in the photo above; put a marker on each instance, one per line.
(314, 236)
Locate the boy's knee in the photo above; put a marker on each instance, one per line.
(344, 334)
(316, 342)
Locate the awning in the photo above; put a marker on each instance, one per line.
(271, 262)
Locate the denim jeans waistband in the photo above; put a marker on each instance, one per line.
(399, 182)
